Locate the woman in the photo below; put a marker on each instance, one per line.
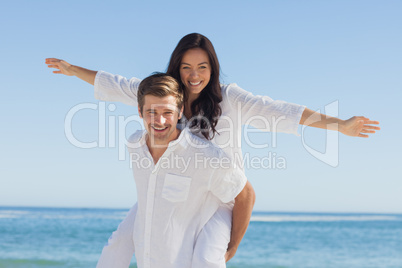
(217, 111)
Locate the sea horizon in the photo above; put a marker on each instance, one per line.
(254, 211)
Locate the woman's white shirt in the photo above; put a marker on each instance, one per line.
(239, 107)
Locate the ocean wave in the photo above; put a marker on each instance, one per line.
(80, 217)
(10, 214)
(64, 215)
(318, 218)
(24, 263)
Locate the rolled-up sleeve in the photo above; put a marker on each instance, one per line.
(262, 112)
(109, 87)
(227, 183)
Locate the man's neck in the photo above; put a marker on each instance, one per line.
(158, 149)
(157, 153)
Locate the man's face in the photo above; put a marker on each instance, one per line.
(160, 115)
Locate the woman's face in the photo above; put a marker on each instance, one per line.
(195, 71)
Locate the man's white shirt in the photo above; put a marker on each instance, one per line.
(177, 196)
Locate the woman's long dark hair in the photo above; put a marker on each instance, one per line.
(205, 109)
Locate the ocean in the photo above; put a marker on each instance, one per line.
(62, 237)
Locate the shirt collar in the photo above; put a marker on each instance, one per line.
(181, 141)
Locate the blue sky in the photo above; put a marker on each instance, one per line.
(316, 53)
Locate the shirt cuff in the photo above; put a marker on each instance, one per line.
(236, 189)
(97, 86)
(298, 116)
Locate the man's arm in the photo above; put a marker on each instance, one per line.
(244, 203)
(357, 126)
(71, 70)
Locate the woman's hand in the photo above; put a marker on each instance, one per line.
(62, 66)
(358, 126)
(66, 68)
(230, 253)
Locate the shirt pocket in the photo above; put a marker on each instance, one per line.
(176, 188)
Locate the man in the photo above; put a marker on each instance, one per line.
(181, 180)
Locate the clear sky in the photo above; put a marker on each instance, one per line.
(341, 55)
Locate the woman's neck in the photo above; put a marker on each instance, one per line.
(187, 105)
(187, 112)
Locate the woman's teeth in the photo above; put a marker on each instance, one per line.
(195, 83)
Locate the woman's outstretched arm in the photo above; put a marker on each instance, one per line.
(107, 87)
(71, 70)
(356, 126)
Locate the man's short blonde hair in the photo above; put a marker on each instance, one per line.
(160, 85)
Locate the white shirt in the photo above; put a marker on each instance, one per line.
(177, 196)
(239, 107)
